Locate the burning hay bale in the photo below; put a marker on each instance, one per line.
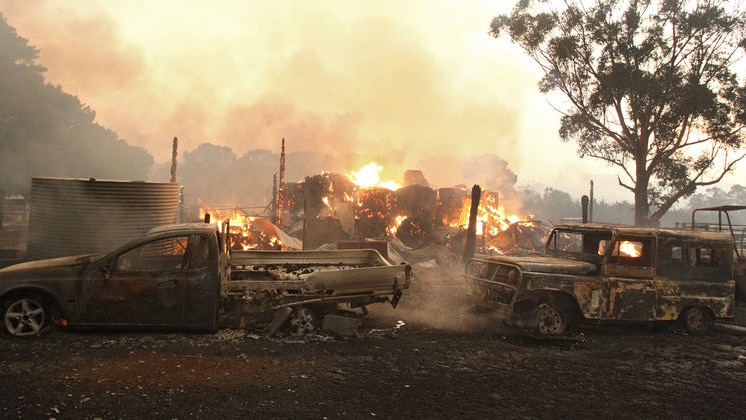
(329, 208)
(373, 213)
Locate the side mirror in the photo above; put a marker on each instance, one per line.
(106, 271)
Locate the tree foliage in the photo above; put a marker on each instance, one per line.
(649, 87)
(47, 132)
(715, 196)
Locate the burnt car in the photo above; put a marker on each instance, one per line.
(183, 276)
(602, 273)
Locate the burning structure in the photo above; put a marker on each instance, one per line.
(328, 208)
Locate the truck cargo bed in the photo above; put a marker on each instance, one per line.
(330, 272)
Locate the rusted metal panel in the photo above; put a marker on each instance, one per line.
(630, 299)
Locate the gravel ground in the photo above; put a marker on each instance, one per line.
(429, 358)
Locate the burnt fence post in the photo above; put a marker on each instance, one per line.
(471, 233)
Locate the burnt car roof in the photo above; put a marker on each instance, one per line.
(649, 231)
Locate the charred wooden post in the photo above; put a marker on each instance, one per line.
(471, 233)
(174, 147)
(584, 211)
(274, 199)
(305, 221)
(281, 191)
(590, 205)
(2, 204)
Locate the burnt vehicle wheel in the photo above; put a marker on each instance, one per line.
(549, 320)
(24, 315)
(696, 319)
(302, 321)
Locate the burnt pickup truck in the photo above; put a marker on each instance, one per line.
(185, 277)
(594, 272)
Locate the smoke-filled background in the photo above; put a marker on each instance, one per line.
(410, 85)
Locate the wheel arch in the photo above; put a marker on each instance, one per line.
(559, 299)
(686, 312)
(705, 308)
(47, 296)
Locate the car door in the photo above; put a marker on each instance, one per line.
(203, 284)
(630, 279)
(144, 285)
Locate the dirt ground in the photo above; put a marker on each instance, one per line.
(429, 358)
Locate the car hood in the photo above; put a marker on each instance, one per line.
(50, 263)
(545, 264)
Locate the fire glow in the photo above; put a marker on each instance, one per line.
(358, 205)
(492, 218)
(243, 234)
(370, 176)
(235, 217)
(630, 249)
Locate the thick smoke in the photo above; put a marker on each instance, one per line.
(332, 80)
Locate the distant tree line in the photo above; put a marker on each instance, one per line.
(215, 176)
(557, 206)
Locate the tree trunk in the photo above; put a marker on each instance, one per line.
(642, 207)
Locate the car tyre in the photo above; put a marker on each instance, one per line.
(549, 320)
(302, 321)
(696, 319)
(24, 315)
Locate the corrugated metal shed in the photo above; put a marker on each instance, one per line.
(77, 216)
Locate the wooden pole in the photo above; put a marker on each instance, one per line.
(173, 159)
(281, 188)
(471, 233)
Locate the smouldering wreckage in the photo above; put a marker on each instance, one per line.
(185, 277)
(197, 277)
(593, 272)
(308, 287)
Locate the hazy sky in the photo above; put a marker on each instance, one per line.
(410, 84)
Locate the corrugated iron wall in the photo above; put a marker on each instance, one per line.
(75, 216)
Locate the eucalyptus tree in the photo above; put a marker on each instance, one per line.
(650, 87)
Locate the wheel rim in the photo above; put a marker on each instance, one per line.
(302, 321)
(696, 320)
(25, 317)
(549, 321)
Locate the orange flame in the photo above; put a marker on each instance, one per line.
(491, 218)
(369, 176)
(241, 232)
(236, 217)
(630, 249)
(395, 226)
